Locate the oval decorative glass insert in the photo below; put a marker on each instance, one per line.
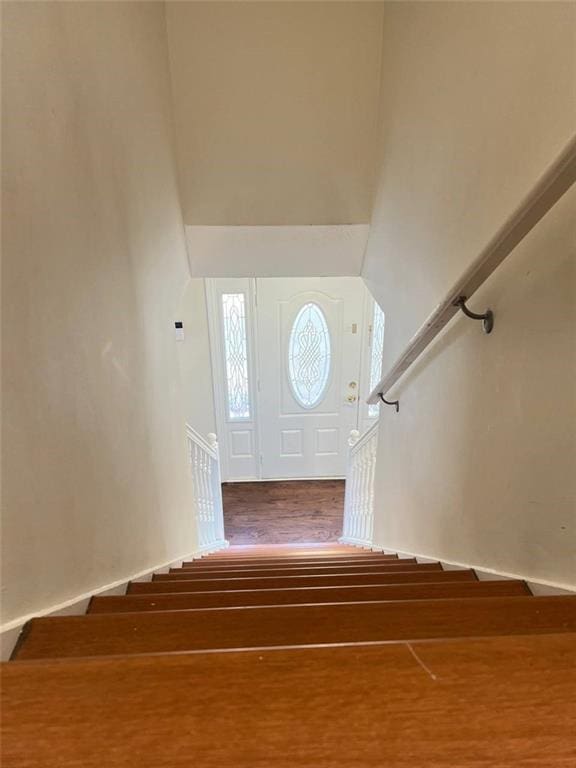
(309, 356)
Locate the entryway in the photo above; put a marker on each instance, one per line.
(293, 360)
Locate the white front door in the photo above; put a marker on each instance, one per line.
(290, 361)
(309, 333)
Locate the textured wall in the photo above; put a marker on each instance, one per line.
(480, 464)
(95, 477)
(275, 107)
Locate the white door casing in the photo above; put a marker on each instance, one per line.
(237, 432)
(293, 426)
(298, 440)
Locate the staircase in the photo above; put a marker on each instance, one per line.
(284, 656)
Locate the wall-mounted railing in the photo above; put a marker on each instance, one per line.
(559, 177)
(359, 496)
(204, 462)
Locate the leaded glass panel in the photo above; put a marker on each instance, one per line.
(309, 356)
(236, 355)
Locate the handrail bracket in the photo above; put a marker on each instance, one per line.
(395, 403)
(487, 317)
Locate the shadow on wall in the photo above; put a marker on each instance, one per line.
(490, 479)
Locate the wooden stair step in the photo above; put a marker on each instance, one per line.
(295, 545)
(506, 702)
(289, 561)
(283, 550)
(173, 631)
(306, 595)
(287, 567)
(179, 573)
(282, 582)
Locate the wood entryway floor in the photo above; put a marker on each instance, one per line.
(283, 512)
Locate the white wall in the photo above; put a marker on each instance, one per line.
(276, 107)
(480, 465)
(291, 251)
(195, 359)
(95, 477)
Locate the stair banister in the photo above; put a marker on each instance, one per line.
(551, 186)
(359, 495)
(204, 461)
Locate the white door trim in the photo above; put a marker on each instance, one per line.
(213, 287)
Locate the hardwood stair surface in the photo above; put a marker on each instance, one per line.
(316, 570)
(323, 656)
(307, 595)
(289, 561)
(260, 627)
(281, 551)
(271, 582)
(501, 702)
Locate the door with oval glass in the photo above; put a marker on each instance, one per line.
(309, 334)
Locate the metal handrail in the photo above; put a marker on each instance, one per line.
(557, 180)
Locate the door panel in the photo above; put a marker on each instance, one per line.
(309, 342)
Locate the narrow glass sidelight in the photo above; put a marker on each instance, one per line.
(376, 351)
(309, 356)
(236, 355)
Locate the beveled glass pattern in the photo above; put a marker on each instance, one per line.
(376, 351)
(236, 355)
(309, 356)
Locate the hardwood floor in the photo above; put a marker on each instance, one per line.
(283, 512)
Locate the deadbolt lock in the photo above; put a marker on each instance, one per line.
(353, 385)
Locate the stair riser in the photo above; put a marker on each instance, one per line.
(270, 555)
(177, 631)
(471, 589)
(316, 571)
(282, 566)
(217, 585)
(290, 561)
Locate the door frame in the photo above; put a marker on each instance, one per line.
(249, 286)
(223, 422)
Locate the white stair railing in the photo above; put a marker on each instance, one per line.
(359, 497)
(204, 462)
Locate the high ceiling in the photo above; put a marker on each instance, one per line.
(276, 107)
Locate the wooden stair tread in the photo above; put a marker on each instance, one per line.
(183, 601)
(505, 702)
(172, 631)
(292, 566)
(186, 573)
(269, 582)
(290, 562)
(283, 550)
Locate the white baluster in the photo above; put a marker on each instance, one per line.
(359, 496)
(204, 464)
